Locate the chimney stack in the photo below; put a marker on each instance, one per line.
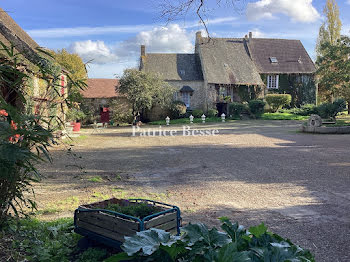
(198, 41)
(143, 50)
(198, 35)
(250, 35)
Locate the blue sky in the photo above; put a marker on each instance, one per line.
(109, 32)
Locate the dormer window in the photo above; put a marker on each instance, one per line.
(273, 60)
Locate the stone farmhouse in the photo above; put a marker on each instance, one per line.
(98, 97)
(38, 97)
(224, 70)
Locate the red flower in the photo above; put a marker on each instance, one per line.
(3, 112)
(13, 125)
(15, 138)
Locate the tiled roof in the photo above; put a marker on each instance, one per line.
(100, 88)
(236, 61)
(290, 54)
(184, 67)
(226, 61)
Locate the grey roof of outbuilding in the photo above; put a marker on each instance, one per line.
(226, 61)
(184, 67)
(291, 55)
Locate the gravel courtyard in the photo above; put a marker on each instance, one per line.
(251, 171)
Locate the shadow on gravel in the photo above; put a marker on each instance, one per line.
(317, 163)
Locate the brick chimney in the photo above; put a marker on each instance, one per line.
(198, 41)
(143, 50)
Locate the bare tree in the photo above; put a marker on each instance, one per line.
(171, 10)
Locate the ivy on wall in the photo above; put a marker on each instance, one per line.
(302, 88)
(249, 93)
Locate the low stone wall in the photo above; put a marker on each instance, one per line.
(326, 129)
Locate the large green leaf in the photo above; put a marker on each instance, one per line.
(148, 241)
(200, 232)
(237, 232)
(229, 253)
(259, 230)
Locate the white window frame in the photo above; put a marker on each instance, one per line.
(272, 81)
(186, 98)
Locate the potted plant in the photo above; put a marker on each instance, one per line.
(109, 221)
(74, 115)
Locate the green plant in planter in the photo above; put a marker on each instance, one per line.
(75, 114)
(200, 243)
(139, 210)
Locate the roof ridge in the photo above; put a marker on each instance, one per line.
(170, 54)
(102, 79)
(242, 38)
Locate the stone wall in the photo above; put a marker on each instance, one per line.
(91, 107)
(301, 87)
(199, 95)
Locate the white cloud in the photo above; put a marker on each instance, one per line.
(95, 51)
(170, 39)
(110, 70)
(346, 29)
(298, 10)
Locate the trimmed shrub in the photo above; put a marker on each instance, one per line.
(197, 113)
(235, 109)
(177, 110)
(330, 110)
(277, 101)
(212, 112)
(256, 107)
(304, 110)
(308, 109)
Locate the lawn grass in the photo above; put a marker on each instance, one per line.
(96, 179)
(266, 116)
(283, 116)
(341, 122)
(74, 140)
(187, 121)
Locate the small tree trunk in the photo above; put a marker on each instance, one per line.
(348, 107)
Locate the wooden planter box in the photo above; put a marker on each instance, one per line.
(109, 227)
